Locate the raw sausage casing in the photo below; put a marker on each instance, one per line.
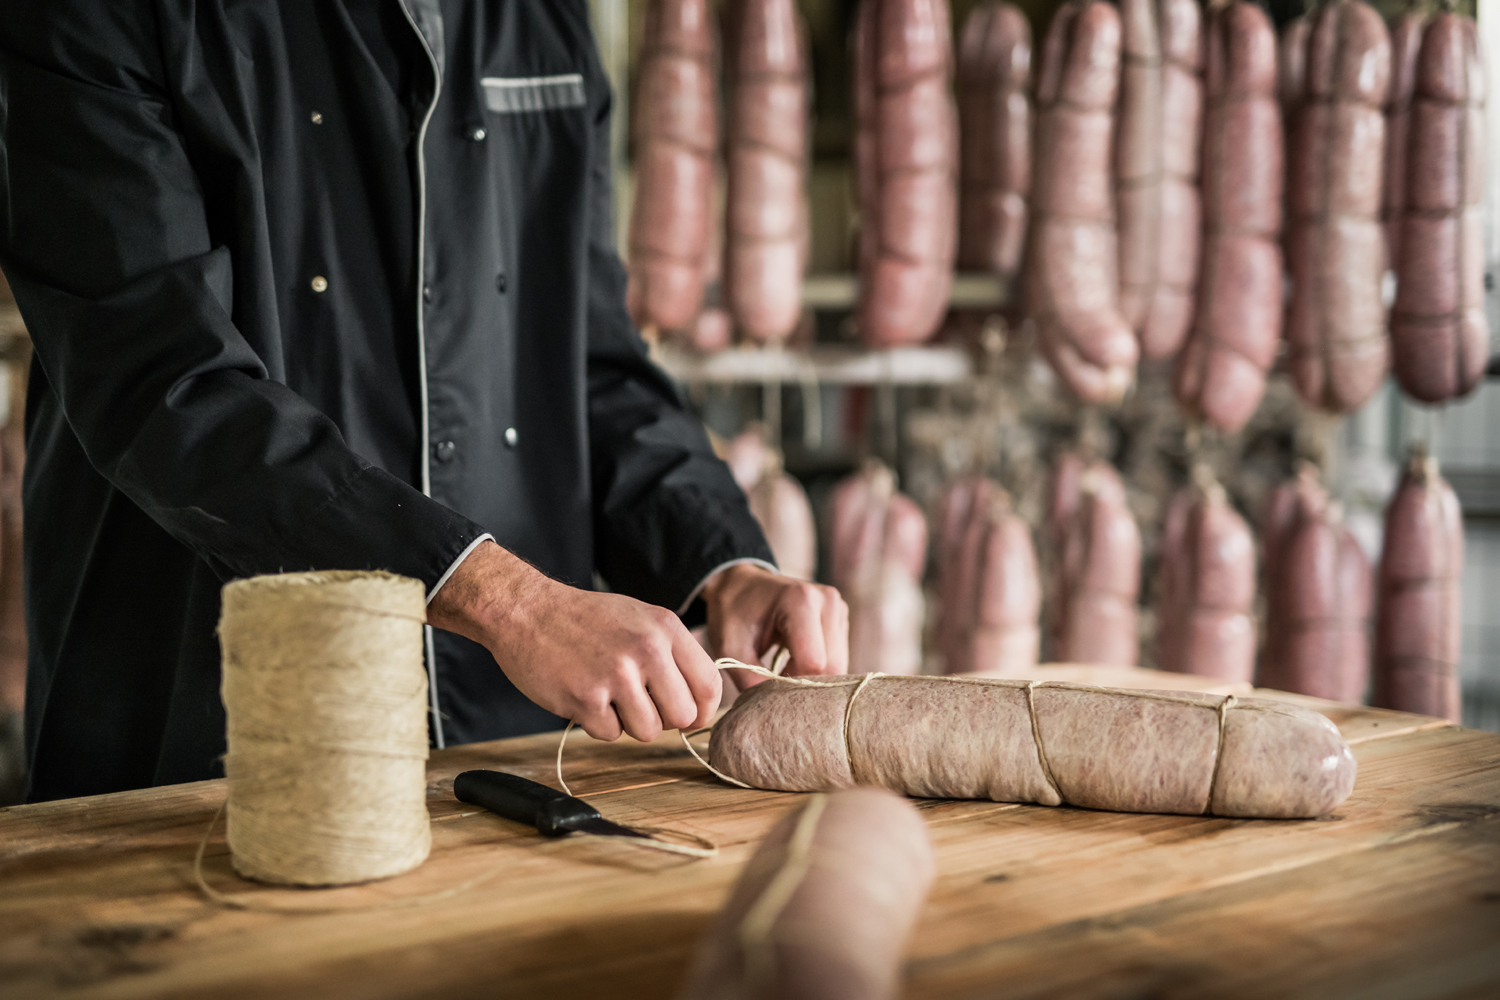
(1098, 572)
(1205, 622)
(766, 240)
(675, 124)
(1072, 256)
(840, 931)
(906, 166)
(991, 597)
(1336, 323)
(994, 77)
(1418, 623)
(1221, 373)
(1100, 748)
(1439, 333)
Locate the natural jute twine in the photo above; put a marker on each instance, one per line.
(326, 702)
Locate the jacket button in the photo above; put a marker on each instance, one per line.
(477, 134)
(317, 117)
(320, 284)
(511, 437)
(426, 293)
(500, 283)
(444, 451)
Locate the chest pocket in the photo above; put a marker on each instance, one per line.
(508, 95)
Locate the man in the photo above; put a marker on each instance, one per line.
(332, 285)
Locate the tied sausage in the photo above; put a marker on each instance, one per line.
(1011, 740)
(994, 78)
(991, 597)
(1336, 324)
(778, 502)
(1072, 257)
(1221, 373)
(1291, 68)
(1098, 572)
(1205, 622)
(878, 551)
(675, 124)
(766, 242)
(1318, 597)
(906, 161)
(1439, 334)
(1417, 622)
(825, 906)
(1156, 169)
(1406, 40)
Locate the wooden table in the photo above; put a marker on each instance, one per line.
(1397, 895)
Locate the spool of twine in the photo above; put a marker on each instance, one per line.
(326, 698)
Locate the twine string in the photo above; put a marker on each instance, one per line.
(755, 929)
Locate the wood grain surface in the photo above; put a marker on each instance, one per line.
(1396, 895)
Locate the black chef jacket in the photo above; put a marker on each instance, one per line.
(288, 318)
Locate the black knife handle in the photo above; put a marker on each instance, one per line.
(552, 812)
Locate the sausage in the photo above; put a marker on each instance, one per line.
(1170, 313)
(1318, 597)
(675, 125)
(778, 502)
(1072, 257)
(1138, 160)
(1336, 323)
(1098, 575)
(1406, 39)
(1439, 333)
(1205, 622)
(908, 152)
(1295, 499)
(994, 80)
(1012, 740)
(1221, 373)
(991, 597)
(825, 906)
(1291, 67)
(766, 212)
(1418, 617)
(878, 551)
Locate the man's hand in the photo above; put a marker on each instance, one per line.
(751, 609)
(606, 661)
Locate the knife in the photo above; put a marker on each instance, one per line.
(553, 813)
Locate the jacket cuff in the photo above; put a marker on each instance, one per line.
(683, 609)
(486, 537)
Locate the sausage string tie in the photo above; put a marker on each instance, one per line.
(755, 929)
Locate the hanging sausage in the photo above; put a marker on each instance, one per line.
(906, 167)
(994, 80)
(1221, 373)
(675, 124)
(766, 214)
(1072, 266)
(1439, 333)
